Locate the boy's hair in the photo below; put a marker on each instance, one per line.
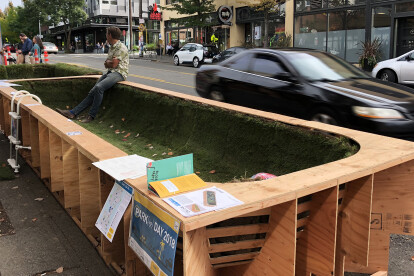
(22, 35)
(115, 32)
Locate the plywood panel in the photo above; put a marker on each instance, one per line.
(44, 151)
(392, 212)
(25, 126)
(277, 256)
(6, 110)
(115, 251)
(316, 248)
(56, 162)
(34, 141)
(2, 118)
(354, 222)
(70, 175)
(196, 258)
(89, 194)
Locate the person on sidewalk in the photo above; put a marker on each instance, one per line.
(117, 63)
(27, 46)
(37, 45)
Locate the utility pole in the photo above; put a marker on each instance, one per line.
(131, 41)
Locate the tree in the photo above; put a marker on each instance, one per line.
(267, 7)
(69, 12)
(198, 12)
(6, 20)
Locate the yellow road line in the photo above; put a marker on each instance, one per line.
(137, 76)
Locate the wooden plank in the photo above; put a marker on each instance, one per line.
(380, 273)
(232, 264)
(261, 212)
(237, 230)
(230, 246)
(278, 254)
(25, 126)
(89, 194)
(114, 251)
(44, 151)
(196, 258)
(354, 222)
(56, 162)
(316, 248)
(305, 206)
(234, 258)
(2, 117)
(6, 110)
(34, 141)
(106, 184)
(70, 175)
(392, 212)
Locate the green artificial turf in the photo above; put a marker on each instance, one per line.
(232, 144)
(6, 173)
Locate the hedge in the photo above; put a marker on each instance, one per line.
(25, 71)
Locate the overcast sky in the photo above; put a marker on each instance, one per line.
(5, 3)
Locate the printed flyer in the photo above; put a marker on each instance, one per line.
(114, 208)
(153, 236)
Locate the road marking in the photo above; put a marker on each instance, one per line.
(137, 76)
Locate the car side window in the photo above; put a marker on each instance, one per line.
(185, 48)
(192, 48)
(412, 56)
(267, 65)
(242, 63)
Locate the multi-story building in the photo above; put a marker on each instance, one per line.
(334, 26)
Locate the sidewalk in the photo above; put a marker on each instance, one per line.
(45, 238)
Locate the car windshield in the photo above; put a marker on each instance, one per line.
(316, 66)
(48, 43)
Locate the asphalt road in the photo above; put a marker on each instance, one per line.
(157, 74)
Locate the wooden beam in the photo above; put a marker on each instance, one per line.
(237, 230)
(6, 110)
(44, 151)
(89, 194)
(34, 141)
(25, 125)
(56, 162)
(315, 251)
(70, 175)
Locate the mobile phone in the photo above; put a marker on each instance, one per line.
(209, 198)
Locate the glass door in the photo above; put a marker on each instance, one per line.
(405, 35)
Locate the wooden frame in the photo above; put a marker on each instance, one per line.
(323, 220)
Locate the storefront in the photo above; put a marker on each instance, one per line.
(254, 26)
(339, 27)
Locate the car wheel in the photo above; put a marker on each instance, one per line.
(216, 94)
(388, 75)
(325, 116)
(196, 62)
(176, 60)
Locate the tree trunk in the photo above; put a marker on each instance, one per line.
(266, 30)
(67, 46)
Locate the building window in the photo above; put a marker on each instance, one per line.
(310, 31)
(404, 7)
(381, 28)
(337, 33)
(355, 34)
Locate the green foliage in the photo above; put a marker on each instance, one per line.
(283, 41)
(6, 173)
(201, 9)
(26, 71)
(231, 143)
(7, 20)
(150, 47)
(371, 51)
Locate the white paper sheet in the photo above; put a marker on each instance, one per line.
(8, 84)
(131, 166)
(194, 203)
(114, 208)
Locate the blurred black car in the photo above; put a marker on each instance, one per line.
(228, 53)
(312, 85)
(209, 52)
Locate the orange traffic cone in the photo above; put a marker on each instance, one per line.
(46, 55)
(8, 53)
(5, 58)
(36, 57)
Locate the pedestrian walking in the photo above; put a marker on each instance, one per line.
(37, 45)
(117, 63)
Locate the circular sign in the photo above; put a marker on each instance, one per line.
(225, 14)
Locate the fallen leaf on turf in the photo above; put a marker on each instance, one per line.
(15, 187)
(123, 119)
(104, 107)
(39, 199)
(148, 145)
(197, 172)
(154, 154)
(111, 126)
(33, 220)
(101, 122)
(412, 258)
(170, 153)
(59, 270)
(169, 149)
(164, 153)
(123, 131)
(117, 131)
(67, 107)
(137, 135)
(127, 135)
(151, 147)
(212, 171)
(124, 139)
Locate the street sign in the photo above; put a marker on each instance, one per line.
(141, 21)
(141, 27)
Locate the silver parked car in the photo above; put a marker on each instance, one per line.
(50, 47)
(399, 69)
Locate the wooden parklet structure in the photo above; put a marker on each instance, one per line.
(323, 220)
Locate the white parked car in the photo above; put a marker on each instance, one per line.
(50, 47)
(399, 69)
(190, 53)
